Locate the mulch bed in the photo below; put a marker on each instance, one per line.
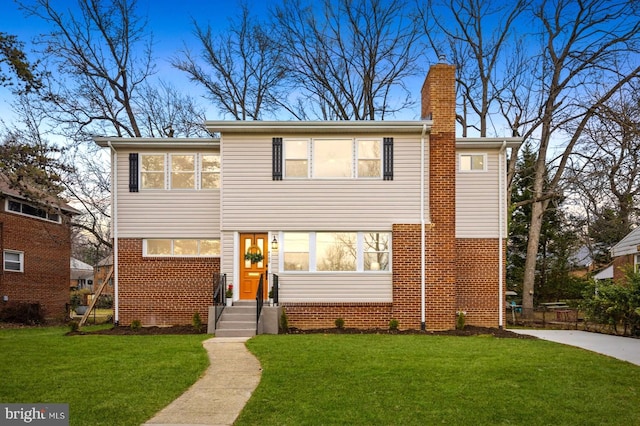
(468, 331)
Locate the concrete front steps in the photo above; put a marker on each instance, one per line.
(238, 320)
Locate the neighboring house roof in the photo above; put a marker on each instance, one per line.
(581, 258)
(107, 261)
(606, 273)
(6, 189)
(630, 244)
(80, 270)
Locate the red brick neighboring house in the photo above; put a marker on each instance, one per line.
(367, 221)
(36, 249)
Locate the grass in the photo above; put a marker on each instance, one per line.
(106, 380)
(418, 380)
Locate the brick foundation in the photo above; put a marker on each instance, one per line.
(324, 315)
(163, 291)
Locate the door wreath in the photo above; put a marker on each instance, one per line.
(253, 254)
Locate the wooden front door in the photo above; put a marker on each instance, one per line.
(253, 263)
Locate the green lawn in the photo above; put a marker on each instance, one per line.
(106, 380)
(424, 380)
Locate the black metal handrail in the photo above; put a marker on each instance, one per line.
(259, 300)
(219, 294)
(274, 288)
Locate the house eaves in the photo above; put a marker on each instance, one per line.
(318, 127)
(138, 143)
(630, 244)
(487, 143)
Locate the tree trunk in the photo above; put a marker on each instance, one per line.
(537, 210)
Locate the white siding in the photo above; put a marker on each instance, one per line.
(477, 199)
(334, 287)
(164, 213)
(251, 200)
(630, 244)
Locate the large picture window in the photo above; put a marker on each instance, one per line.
(336, 251)
(181, 247)
(332, 158)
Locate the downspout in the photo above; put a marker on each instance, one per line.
(423, 306)
(501, 213)
(114, 223)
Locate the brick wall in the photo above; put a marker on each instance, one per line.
(47, 253)
(620, 265)
(324, 315)
(477, 281)
(163, 291)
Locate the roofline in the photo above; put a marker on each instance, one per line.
(511, 142)
(118, 142)
(360, 126)
(59, 203)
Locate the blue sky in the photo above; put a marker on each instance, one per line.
(170, 21)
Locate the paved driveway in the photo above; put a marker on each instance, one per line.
(624, 348)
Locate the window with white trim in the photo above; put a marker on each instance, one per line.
(336, 251)
(333, 158)
(13, 261)
(473, 162)
(183, 171)
(209, 171)
(152, 171)
(637, 263)
(184, 247)
(26, 209)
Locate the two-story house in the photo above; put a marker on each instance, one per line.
(35, 239)
(362, 220)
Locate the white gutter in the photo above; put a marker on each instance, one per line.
(114, 224)
(422, 235)
(501, 213)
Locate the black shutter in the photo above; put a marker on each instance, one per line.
(277, 159)
(387, 158)
(133, 172)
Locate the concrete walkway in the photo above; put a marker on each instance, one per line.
(221, 393)
(624, 348)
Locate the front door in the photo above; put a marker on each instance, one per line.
(253, 263)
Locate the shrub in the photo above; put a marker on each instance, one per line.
(136, 325)
(22, 313)
(284, 322)
(196, 321)
(105, 301)
(339, 323)
(460, 320)
(74, 326)
(394, 324)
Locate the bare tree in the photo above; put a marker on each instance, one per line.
(241, 69)
(344, 59)
(587, 51)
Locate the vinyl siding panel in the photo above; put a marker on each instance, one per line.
(329, 287)
(164, 213)
(477, 199)
(251, 200)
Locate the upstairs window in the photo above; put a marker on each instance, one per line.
(296, 158)
(210, 171)
(152, 171)
(183, 171)
(333, 158)
(473, 162)
(29, 210)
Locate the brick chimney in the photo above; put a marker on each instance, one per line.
(439, 105)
